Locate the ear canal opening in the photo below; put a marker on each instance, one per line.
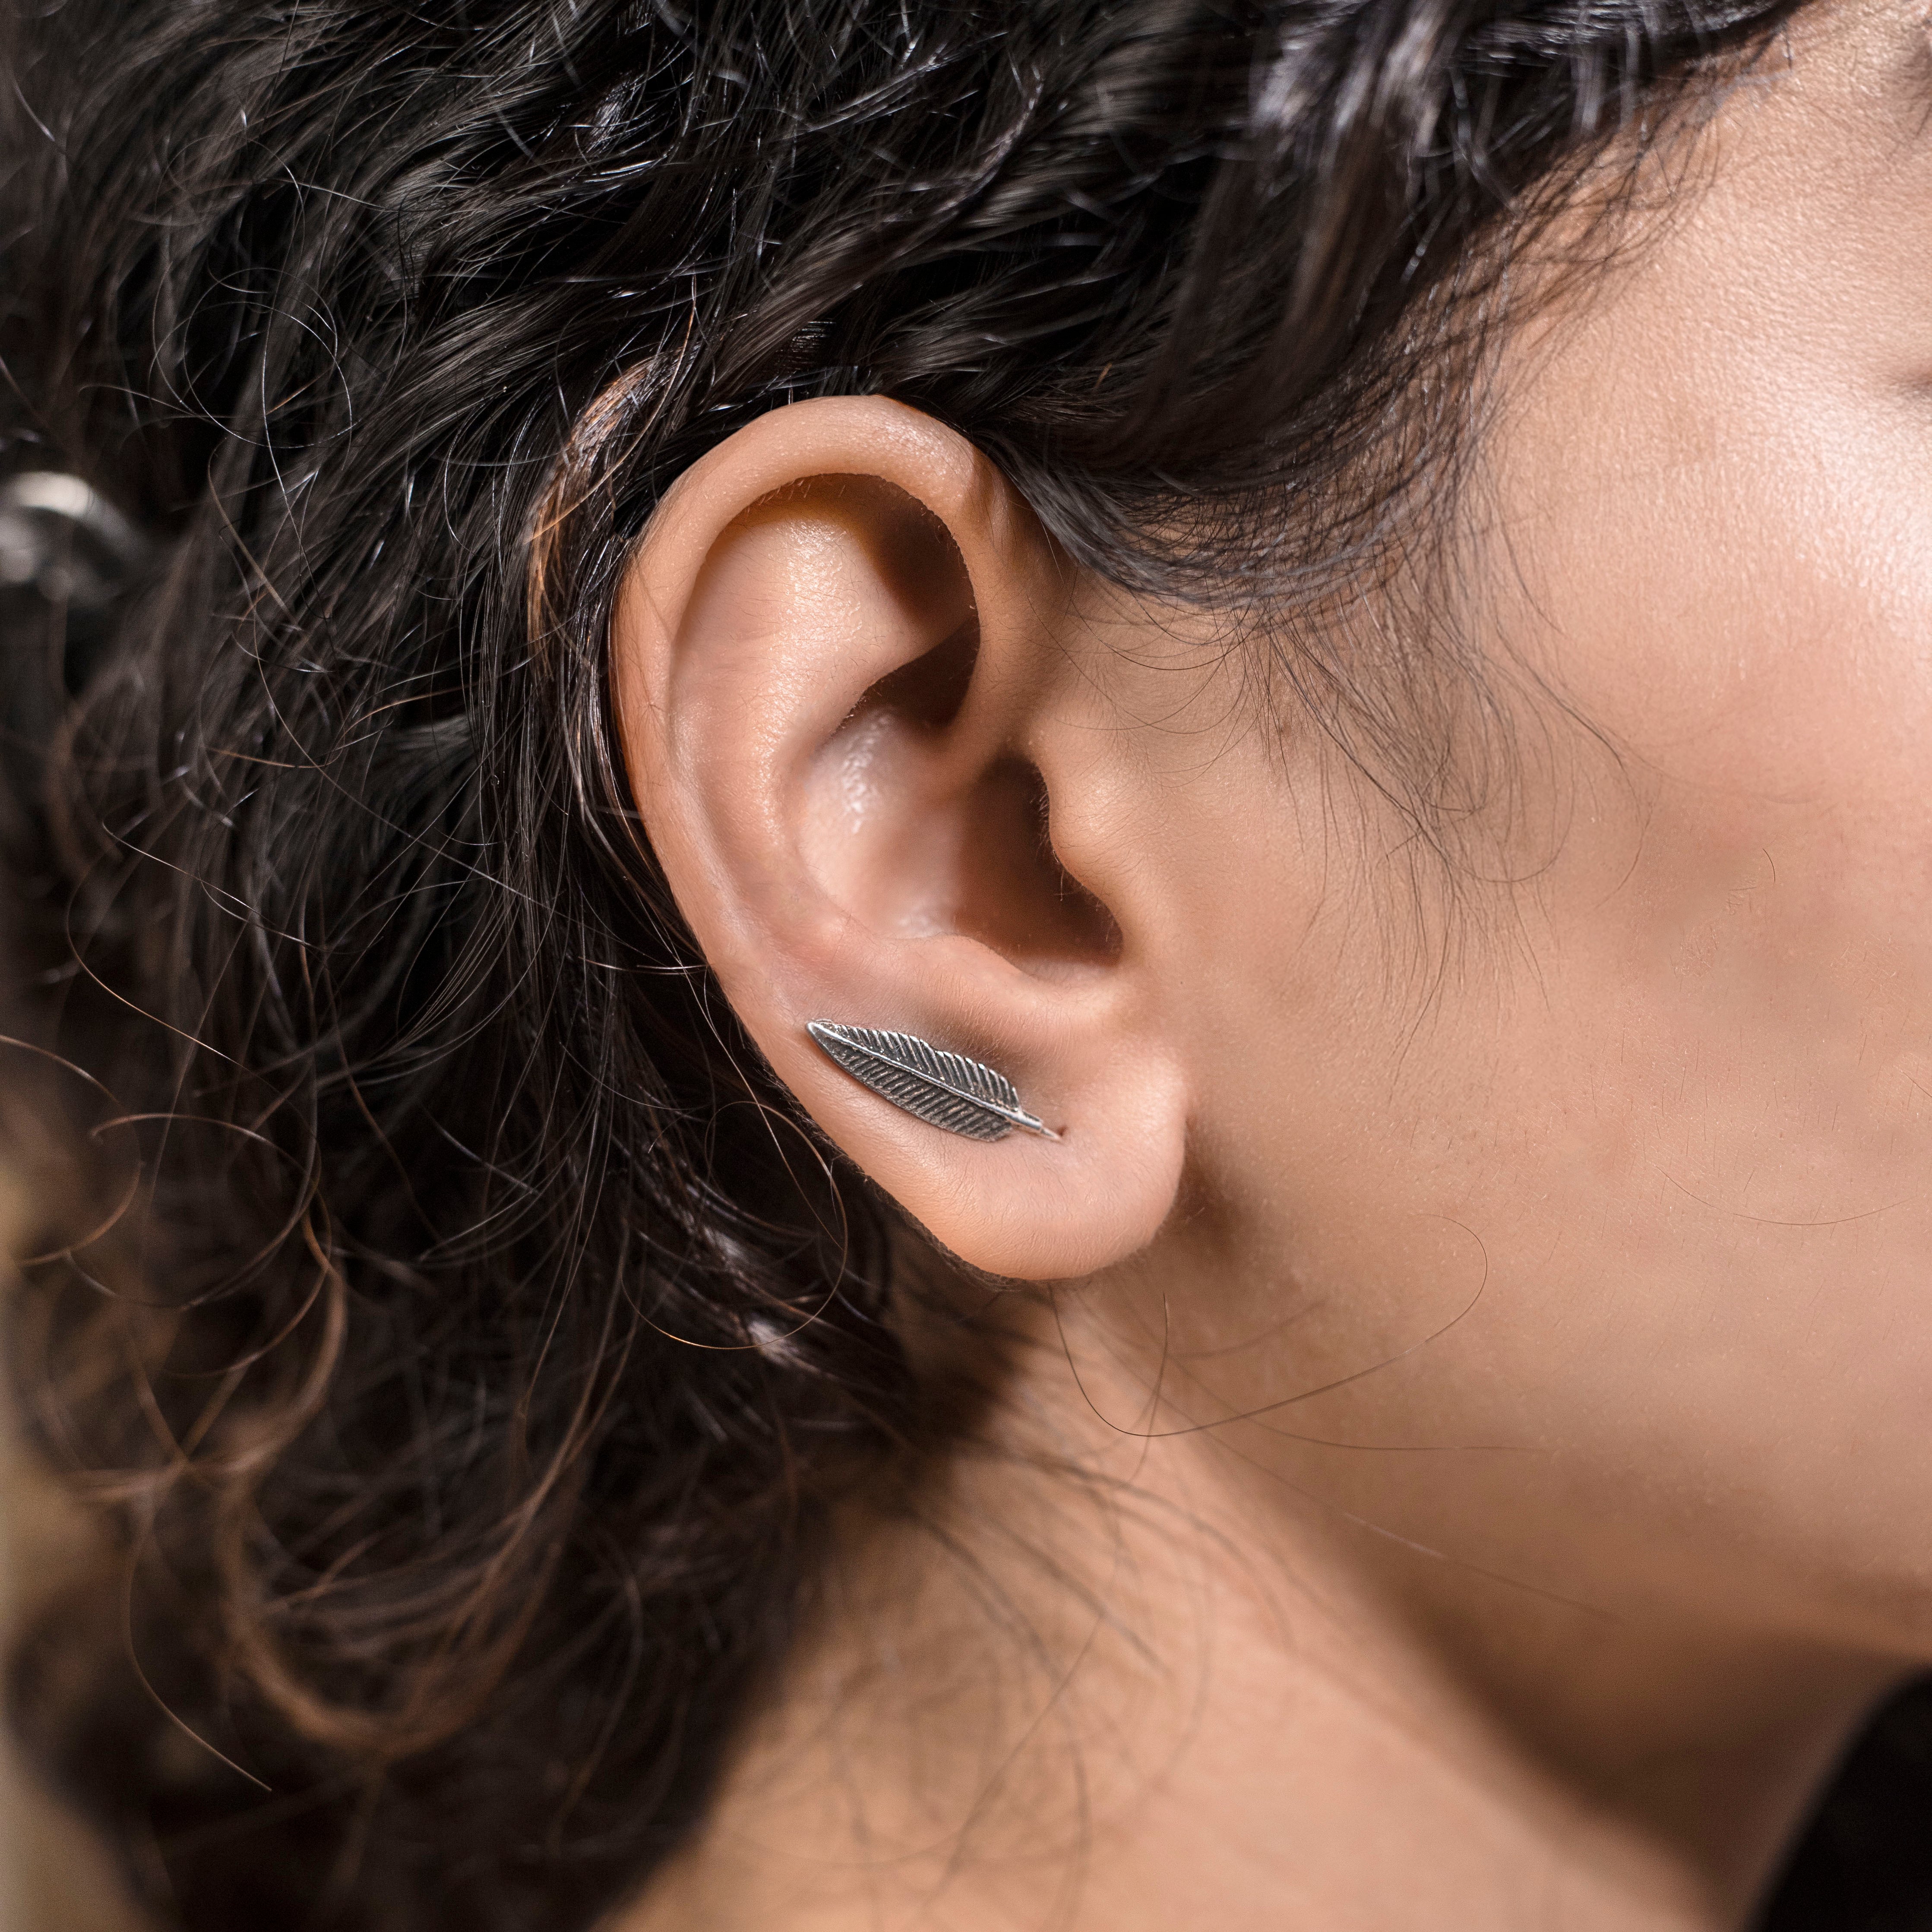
(1015, 895)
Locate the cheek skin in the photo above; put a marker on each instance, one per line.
(1677, 1100)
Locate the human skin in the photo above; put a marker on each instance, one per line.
(1462, 1459)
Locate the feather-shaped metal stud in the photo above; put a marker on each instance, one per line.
(945, 1089)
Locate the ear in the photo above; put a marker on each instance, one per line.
(871, 768)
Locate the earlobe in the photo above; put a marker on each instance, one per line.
(848, 700)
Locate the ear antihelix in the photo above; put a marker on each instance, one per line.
(945, 1089)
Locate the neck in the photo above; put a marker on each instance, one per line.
(1087, 1679)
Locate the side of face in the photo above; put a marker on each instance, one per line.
(1646, 1129)
(1572, 1220)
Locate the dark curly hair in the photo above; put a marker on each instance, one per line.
(468, 1337)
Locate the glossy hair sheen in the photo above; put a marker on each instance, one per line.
(478, 1338)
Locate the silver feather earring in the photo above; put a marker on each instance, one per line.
(944, 1090)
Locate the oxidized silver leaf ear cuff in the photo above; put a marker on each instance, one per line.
(945, 1089)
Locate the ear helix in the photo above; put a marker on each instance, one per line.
(945, 1089)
